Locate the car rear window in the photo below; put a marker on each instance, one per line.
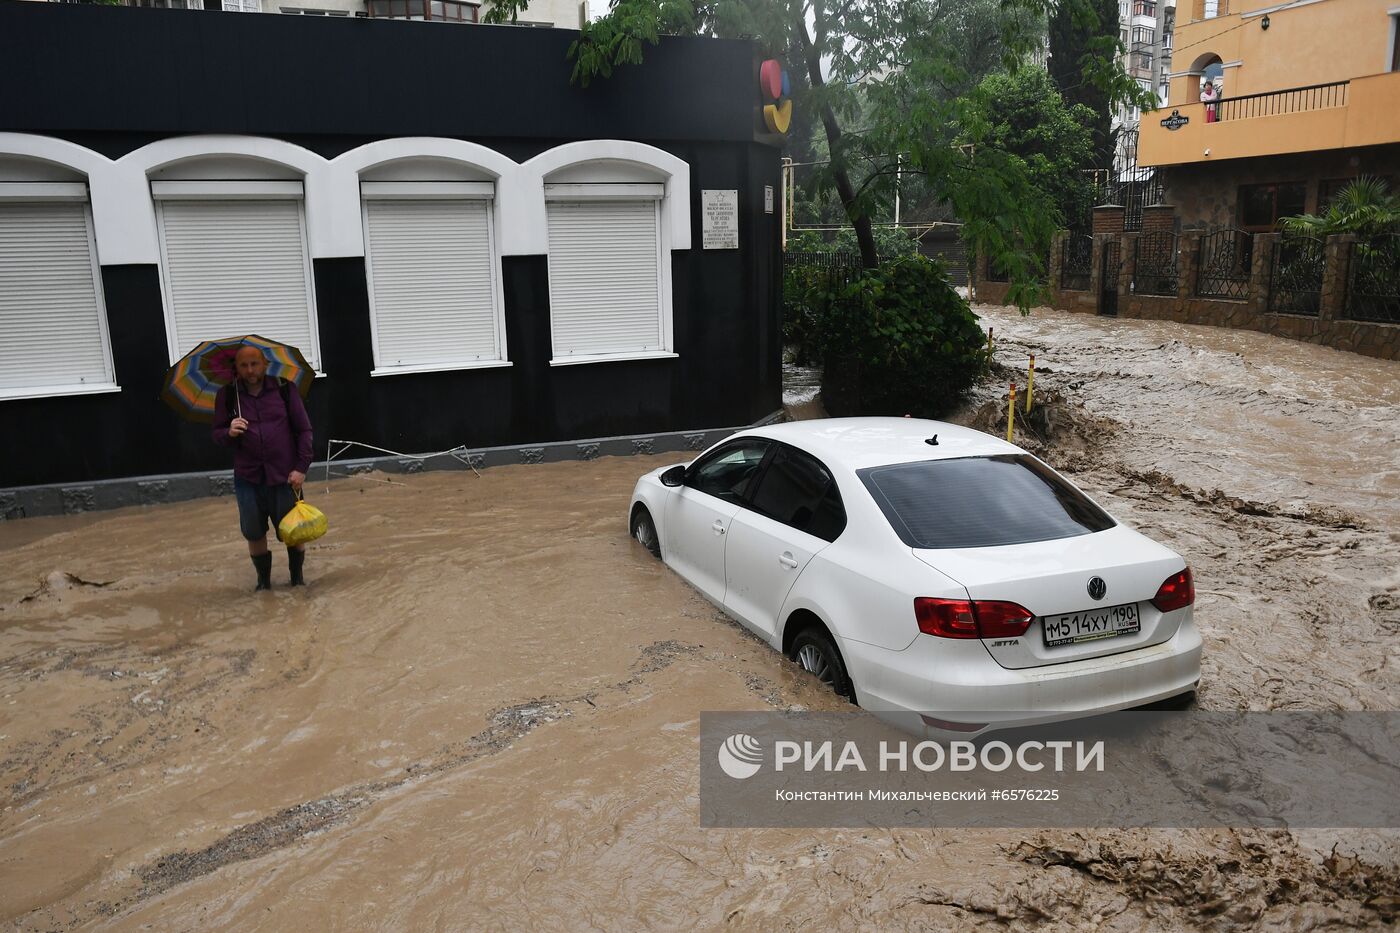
(980, 502)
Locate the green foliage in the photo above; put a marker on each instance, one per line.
(1086, 65)
(893, 88)
(1027, 118)
(1365, 207)
(890, 242)
(894, 340)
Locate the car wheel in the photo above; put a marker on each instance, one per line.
(644, 530)
(816, 653)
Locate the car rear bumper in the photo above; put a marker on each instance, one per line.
(957, 681)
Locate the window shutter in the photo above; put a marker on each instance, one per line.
(432, 281)
(604, 277)
(52, 321)
(237, 267)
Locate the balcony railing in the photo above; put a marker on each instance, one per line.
(1291, 100)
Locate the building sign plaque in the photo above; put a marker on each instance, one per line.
(1176, 121)
(720, 214)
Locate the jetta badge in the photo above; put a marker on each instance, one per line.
(1097, 588)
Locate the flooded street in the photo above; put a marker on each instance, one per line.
(483, 711)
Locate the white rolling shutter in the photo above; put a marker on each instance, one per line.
(432, 282)
(604, 277)
(237, 267)
(53, 329)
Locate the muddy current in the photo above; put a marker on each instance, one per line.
(483, 711)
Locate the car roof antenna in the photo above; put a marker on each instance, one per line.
(932, 441)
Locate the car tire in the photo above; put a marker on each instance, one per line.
(644, 531)
(816, 653)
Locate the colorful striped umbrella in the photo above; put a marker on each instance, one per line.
(192, 384)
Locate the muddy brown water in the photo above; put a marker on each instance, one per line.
(483, 711)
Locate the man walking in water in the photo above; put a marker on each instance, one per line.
(266, 424)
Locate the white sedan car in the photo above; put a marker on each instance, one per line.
(943, 579)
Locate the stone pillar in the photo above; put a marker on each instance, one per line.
(1337, 251)
(1108, 218)
(1259, 274)
(1159, 218)
(1128, 254)
(1188, 260)
(1057, 253)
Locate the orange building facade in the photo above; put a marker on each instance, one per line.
(1303, 96)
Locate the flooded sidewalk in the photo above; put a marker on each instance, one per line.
(483, 711)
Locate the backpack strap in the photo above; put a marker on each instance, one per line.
(284, 388)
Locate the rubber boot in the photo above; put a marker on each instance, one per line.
(263, 564)
(295, 560)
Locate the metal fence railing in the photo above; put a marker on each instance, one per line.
(1224, 263)
(845, 263)
(1076, 262)
(1290, 100)
(1373, 280)
(1295, 275)
(1155, 270)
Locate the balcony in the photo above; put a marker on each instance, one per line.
(1209, 9)
(445, 11)
(1341, 115)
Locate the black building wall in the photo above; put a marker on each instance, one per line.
(101, 78)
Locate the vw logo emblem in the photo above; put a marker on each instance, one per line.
(1097, 588)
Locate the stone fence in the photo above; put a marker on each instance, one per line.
(1296, 288)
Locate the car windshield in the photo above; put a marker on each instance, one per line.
(980, 502)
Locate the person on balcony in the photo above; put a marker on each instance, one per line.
(1209, 96)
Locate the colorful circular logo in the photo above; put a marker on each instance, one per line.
(777, 94)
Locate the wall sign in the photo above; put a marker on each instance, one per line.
(1176, 121)
(767, 199)
(719, 210)
(777, 96)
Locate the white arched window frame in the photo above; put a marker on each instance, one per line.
(234, 259)
(432, 267)
(54, 337)
(434, 213)
(597, 285)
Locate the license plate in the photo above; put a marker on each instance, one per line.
(1090, 625)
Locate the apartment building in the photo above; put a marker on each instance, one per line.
(1308, 98)
(559, 14)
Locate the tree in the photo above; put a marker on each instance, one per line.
(876, 75)
(1081, 35)
(1364, 207)
(1028, 118)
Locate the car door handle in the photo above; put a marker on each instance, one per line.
(787, 560)
(718, 526)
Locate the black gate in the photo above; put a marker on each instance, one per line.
(1108, 278)
(1373, 280)
(1295, 275)
(1224, 265)
(1076, 262)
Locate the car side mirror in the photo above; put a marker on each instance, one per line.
(674, 476)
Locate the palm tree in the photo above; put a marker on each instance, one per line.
(1364, 207)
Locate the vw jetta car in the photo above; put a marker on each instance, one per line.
(941, 578)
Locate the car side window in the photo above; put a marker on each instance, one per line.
(798, 491)
(726, 473)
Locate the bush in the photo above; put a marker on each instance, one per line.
(895, 340)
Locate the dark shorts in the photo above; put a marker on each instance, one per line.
(259, 504)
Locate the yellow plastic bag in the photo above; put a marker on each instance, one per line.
(302, 524)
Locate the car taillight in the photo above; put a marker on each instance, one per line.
(1176, 592)
(971, 618)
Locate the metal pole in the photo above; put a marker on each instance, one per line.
(787, 167)
(898, 166)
